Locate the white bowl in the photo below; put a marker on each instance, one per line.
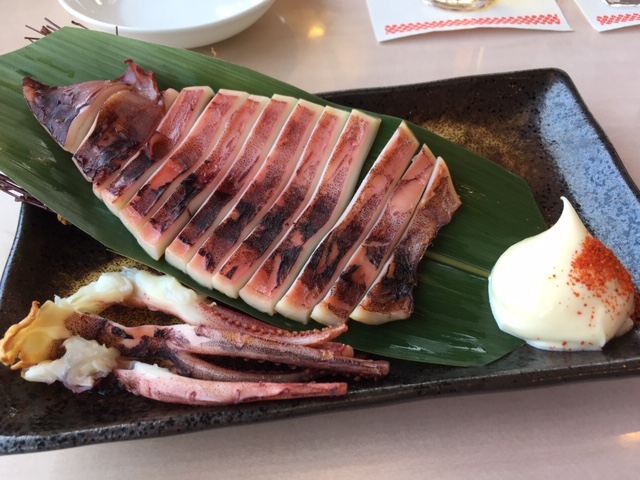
(185, 24)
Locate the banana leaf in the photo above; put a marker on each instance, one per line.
(452, 323)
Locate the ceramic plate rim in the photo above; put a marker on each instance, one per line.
(67, 5)
(525, 367)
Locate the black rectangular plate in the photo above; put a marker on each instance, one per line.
(533, 122)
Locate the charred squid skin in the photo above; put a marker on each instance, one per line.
(196, 182)
(246, 259)
(57, 107)
(159, 384)
(187, 243)
(68, 112)
(370, 255)
(176, 203)
(271, 280)
(336, 248)
(171, 131)
(134, 170)
(169, 223)
(391, 296)
(272, 223)
(264, 189)
(125, 122)
(145, 342)
(239, 178)
(189, 152)
(199, 223)
(197, 145)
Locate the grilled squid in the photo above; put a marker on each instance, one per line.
(176, 362)
(255, 197)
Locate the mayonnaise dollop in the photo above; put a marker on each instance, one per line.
(562, 289)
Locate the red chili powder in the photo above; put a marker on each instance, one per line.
(595, 264)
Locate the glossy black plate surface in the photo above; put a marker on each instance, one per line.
(533, 123)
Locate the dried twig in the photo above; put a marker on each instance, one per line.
(18, 193)
(48, 28)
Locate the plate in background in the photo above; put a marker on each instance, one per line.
(190, 24)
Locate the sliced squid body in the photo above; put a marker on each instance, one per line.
(172, 130)
(263, 190)
(254, 196)
(232, 187)
(272, 279)
(328, 259)
(363, 267)
(249, 255)
(391, 296)
(196, 146)
(123, 125)
(238, 177)
(188, 195)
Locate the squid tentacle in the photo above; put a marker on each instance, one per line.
(137, 288)
(220, 316)
(150, 341)
(291, 363)
(205, 340)
(160, 384)
(190, 365)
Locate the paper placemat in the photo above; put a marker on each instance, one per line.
(605, 17)
(401, 18)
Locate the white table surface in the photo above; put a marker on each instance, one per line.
(588, 429)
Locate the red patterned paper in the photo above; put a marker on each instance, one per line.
(549, 19)
(615, 19)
